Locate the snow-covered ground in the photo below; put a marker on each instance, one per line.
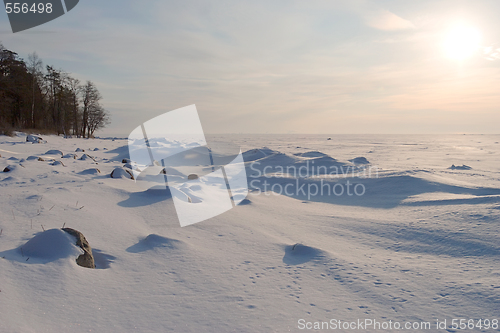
(418, 241)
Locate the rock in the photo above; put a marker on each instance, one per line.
(126, 160)
(41, 159)
(86, 259)
(163, 171)
(192, 176)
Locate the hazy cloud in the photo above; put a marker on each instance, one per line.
(387, 21)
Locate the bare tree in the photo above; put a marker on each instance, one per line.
(93, 114)
(98, 118)
(74, 90)
(35, 67)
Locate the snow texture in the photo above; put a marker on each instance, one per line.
(420, 244)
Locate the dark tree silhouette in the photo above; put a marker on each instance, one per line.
(50, 99)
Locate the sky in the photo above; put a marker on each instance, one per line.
(272, 67)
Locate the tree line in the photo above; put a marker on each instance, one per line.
(49, 99)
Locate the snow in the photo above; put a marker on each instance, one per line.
(420, 244)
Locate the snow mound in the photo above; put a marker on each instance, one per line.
(460, 167)
(155, 241)
(310, 154)
(121, 173)
(79, 150)
(51, 245)
(12, 159)
(257, 154)
(70, 155)
(54, 152)
(32, 158)
(95, 149)
(360, 160)
(299, 254)
(324, 160)
(10, 179)
(244, 202)
(91, 171)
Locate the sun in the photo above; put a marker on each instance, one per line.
(461, 42)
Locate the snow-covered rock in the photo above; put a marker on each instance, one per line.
(34, 139)
(54, 152)
(85, 157)
(460, 167)
(55, 163)
(10, 168)
(360, 160)
(91, 171)
(122, 173)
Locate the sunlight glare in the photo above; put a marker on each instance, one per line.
(462, 42)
